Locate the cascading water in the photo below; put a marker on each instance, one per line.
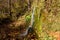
(30, 26)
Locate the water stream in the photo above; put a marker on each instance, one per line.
(30, 26)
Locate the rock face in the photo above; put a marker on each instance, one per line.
(12, 18)
(13, 22)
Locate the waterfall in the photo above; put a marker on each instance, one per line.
(30, 26)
